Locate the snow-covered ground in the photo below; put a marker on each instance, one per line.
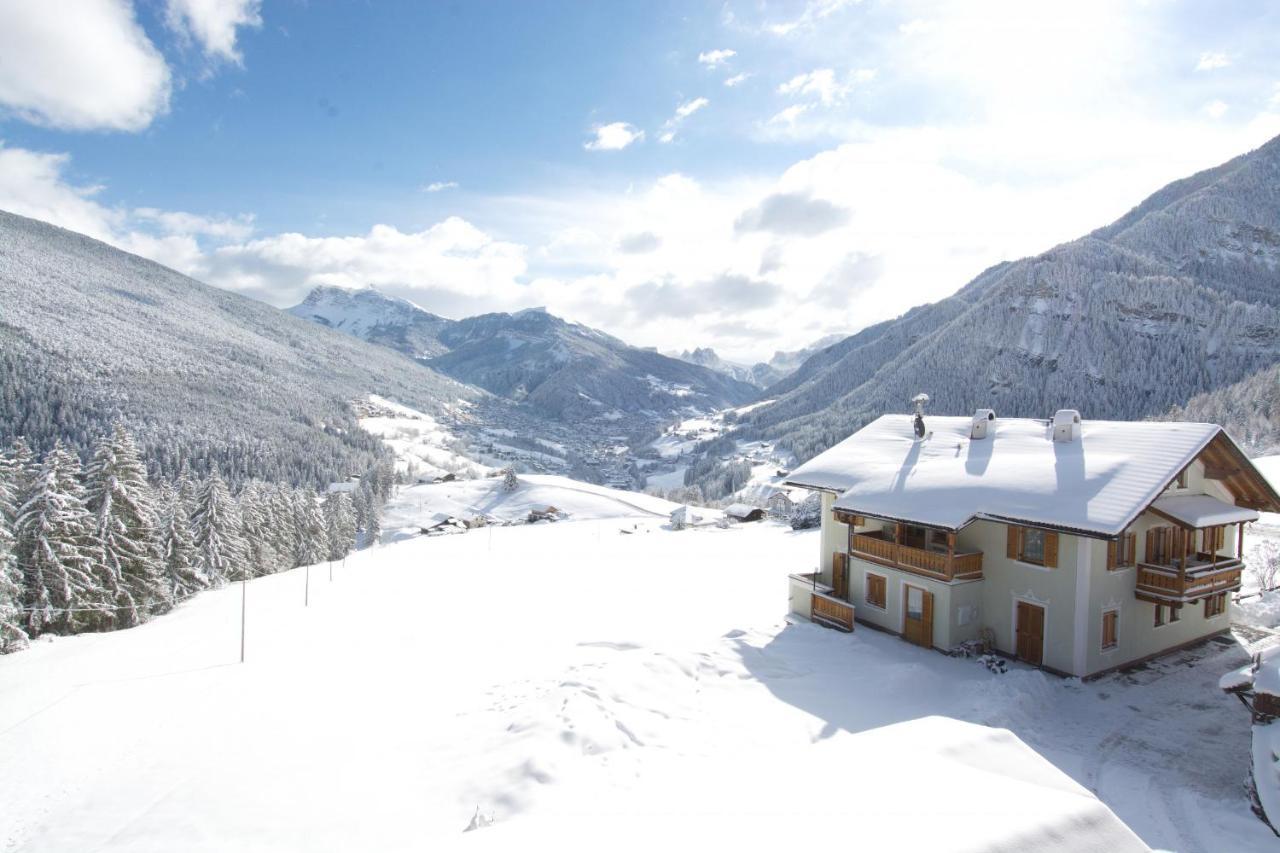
(468, 499)
(560, 673)
(421, 443)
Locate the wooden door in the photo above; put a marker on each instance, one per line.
(840, 575)
(1030, 633)
(917, 615)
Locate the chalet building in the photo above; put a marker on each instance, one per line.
(1077, 546)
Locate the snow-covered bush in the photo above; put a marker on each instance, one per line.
(1264, 562)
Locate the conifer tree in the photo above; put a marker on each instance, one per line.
(341, 524)
(12, 635)
(313, 539)
(119, 497)
(61, 589)
(177, 549)
(284, 527)
(220, 550)
(255, 525)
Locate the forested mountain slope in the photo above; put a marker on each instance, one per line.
(89, 334)
(1249, 410)
(1179, 297)
(560, 369)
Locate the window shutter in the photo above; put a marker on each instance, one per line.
(1112, 555)
(1050, 550)
(1131, 549)
(1012, 550)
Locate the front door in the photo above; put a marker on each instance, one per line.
(917, 616)
(1030, 631)
(840, 575)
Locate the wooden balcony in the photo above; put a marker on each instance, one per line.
(824, 607)
(1201, 576)
(939, 564)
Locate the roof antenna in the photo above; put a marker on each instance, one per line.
(920, 400)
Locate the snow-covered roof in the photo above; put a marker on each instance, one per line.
(1203, 510)
(740, 510)
(1097, 483)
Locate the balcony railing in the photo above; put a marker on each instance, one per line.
(825, 608)
(1203, 575)
(938, 564)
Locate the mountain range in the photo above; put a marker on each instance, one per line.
(761, 374)
(1178, 297)
(561, 370)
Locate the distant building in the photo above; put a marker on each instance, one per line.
(743, 513)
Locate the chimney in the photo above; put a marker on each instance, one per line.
(1066, 425)
(984, 420)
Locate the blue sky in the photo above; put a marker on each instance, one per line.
(750, 176)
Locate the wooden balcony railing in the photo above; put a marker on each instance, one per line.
(1165, 584)
(828, 610)
(922, 561)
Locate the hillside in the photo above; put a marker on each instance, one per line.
(1179, 297)
(1248, 409)
(89, 334)
(561, 370)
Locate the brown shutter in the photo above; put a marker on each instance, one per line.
(1051, 550)
(1131, 549)
(1112, 555)
(1012, 550)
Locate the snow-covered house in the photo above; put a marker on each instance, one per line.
(782, 503)
(742, 513)
(1078, 546)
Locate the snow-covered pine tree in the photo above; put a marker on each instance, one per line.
(282, 527)
(510, 482)
(215, 524)
(255, 526)
(119, 497)
(12, 635)
(340, 522)
(178, 550)
(313, 539)
(368, 522)
(55, 549)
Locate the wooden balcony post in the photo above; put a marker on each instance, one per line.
(951, 555)
(1240, 543)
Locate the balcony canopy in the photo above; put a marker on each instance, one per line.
(1202, 511)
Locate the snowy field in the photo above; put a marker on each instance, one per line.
(553, 674)
(421, 443)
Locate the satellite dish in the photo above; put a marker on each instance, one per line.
(920, 400)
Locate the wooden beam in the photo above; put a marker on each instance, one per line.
(1219, 472)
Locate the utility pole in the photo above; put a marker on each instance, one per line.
(306, 589)
(244, 597)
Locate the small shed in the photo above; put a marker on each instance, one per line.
(684, 516)
(743, 513)
(545, 513)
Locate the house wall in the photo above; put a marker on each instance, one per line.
(1006, 581)
(835, 537)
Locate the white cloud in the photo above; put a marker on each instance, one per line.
(822, 84)
(814, 12)
(1216, 109)
(683, 111)
(614, 137)
(1212, 61)
(736, 79)
(33, 184)
(715, 58)
(440, 186)
(90, 67)
(214, 24)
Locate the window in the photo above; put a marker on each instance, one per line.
(1122, 553)
(1180, 481)
(1033, 545)
(1215, 605)
(1175, 613)
(875, 590)
(1110, 629)
(1159, 615)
